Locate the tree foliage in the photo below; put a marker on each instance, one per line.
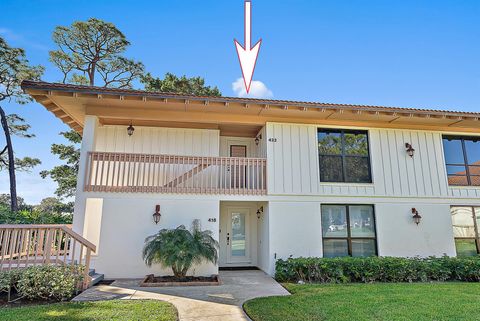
(54, 205)
(14, 68)
(180, 248)
(5, 201)
(65, 175)
(51, 210)
(24, 164)
(18, 127)
(91, 49)
(349, 143)
(180, 85)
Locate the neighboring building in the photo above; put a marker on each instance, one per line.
(272, 179)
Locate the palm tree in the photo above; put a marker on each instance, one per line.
(180, 248)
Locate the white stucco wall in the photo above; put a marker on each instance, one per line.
(295, 230)
(263, 231)
(93, 220)
(127, 221)
(286, 228)
(397, 235)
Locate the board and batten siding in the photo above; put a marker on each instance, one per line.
(158, 140)
(292, 159)
(253, 150)
(465, 192)
(293, 167)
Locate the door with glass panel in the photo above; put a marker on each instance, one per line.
(237, 236)
(237, 169)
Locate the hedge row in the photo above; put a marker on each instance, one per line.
(378, 269)
(45, 282)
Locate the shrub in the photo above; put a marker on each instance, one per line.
(45, 282)
(180, 248)
(9, 280)
(378, 269)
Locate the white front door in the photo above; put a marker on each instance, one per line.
(237, 236)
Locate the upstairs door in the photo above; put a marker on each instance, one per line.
(237, 170)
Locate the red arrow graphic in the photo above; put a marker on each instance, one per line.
(248, 55)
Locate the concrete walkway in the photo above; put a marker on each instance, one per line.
(199, 303)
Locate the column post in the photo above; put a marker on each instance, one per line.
(88, 144)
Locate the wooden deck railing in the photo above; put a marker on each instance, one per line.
(22, 246)
(121, 172)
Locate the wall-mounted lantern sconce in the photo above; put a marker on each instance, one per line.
(257, 139)
(410, 149)
(130, 129)
(259, 212)
(416, 217)
(157, 215)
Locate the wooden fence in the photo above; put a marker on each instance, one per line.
(22, 246)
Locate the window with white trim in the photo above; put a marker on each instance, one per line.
(462, 158)
(465, 221)
(344, 156)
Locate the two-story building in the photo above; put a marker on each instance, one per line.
(272, 179)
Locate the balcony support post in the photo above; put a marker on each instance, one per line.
(88, 144)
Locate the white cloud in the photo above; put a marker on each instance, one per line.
(19, 40)
(257, 89)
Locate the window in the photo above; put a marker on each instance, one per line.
(344, 156)
(465, 222)
(348, 230)
(462, 157)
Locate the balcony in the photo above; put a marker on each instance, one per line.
(146, 173)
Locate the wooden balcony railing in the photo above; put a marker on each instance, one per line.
(22, 246)
(119, 172)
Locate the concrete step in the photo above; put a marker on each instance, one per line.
(96, 277)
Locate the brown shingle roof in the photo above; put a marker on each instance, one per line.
(41, 85)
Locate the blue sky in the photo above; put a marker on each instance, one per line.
(396, 53)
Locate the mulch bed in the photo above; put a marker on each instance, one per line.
(158, 281)
(16, 301)
(20, 302)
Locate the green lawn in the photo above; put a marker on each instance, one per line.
(124, 310)
(379, 302)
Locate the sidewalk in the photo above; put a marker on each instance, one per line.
(223, 302)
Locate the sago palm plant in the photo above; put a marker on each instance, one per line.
(180, 248)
